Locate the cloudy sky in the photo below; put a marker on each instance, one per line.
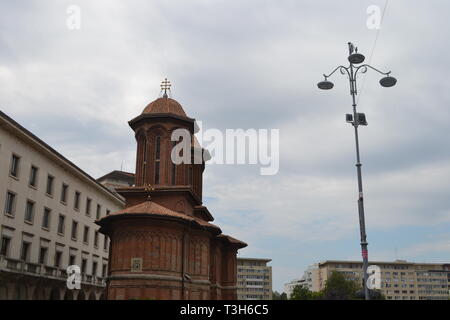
(255, 64)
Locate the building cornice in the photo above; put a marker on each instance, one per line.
(152, 276)
(399, 262)
(152, 191)
(254, 259)
(28, 137)
(133, 123)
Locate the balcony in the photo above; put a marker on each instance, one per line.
(253, 286)
(38, 270)
(13, 264)
(50, 271)
(255, 280)
(32, 267)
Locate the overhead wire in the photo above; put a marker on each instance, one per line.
(373, 49)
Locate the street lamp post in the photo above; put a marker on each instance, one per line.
(357, 119)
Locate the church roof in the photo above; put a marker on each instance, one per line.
(119, 175)
(240, 244)
(150, 208)
(165, 105)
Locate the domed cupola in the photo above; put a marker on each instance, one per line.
(164, 105)
(153, 131)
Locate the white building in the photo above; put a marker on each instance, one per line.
(311, 277)
(48, 208)
(289, 287)
(310, 280)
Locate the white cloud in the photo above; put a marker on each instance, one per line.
(248, 65)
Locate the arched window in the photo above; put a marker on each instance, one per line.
(157, 159)
(141, 158)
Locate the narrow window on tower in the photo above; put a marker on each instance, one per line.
(144, 171)
(174, 168)
(190, 175)
(157, 159)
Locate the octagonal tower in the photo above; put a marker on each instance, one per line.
(163, 244)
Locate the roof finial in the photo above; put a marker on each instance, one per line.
(165, 85)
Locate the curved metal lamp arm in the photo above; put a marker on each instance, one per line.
(364, 67)
(340, 68)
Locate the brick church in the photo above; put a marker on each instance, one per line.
(163, 244)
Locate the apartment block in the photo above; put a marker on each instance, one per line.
(254, 279)
(400, 279)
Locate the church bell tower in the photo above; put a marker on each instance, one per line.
(163, 244)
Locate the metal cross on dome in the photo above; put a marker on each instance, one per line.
(165, 85)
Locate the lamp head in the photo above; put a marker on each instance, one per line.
(325, 85)
(388, 81)
(356, 58)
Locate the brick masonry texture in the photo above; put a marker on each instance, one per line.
(163, 245)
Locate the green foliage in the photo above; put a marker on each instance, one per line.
(338, 287)
(302, 293)
(316, 295)
(376, 295)
(277, 296)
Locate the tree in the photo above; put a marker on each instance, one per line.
(277, 296)
(317, 295)
(373, 294)
(303, 293)
(338, 287)
(300, 293)
(376, 295)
